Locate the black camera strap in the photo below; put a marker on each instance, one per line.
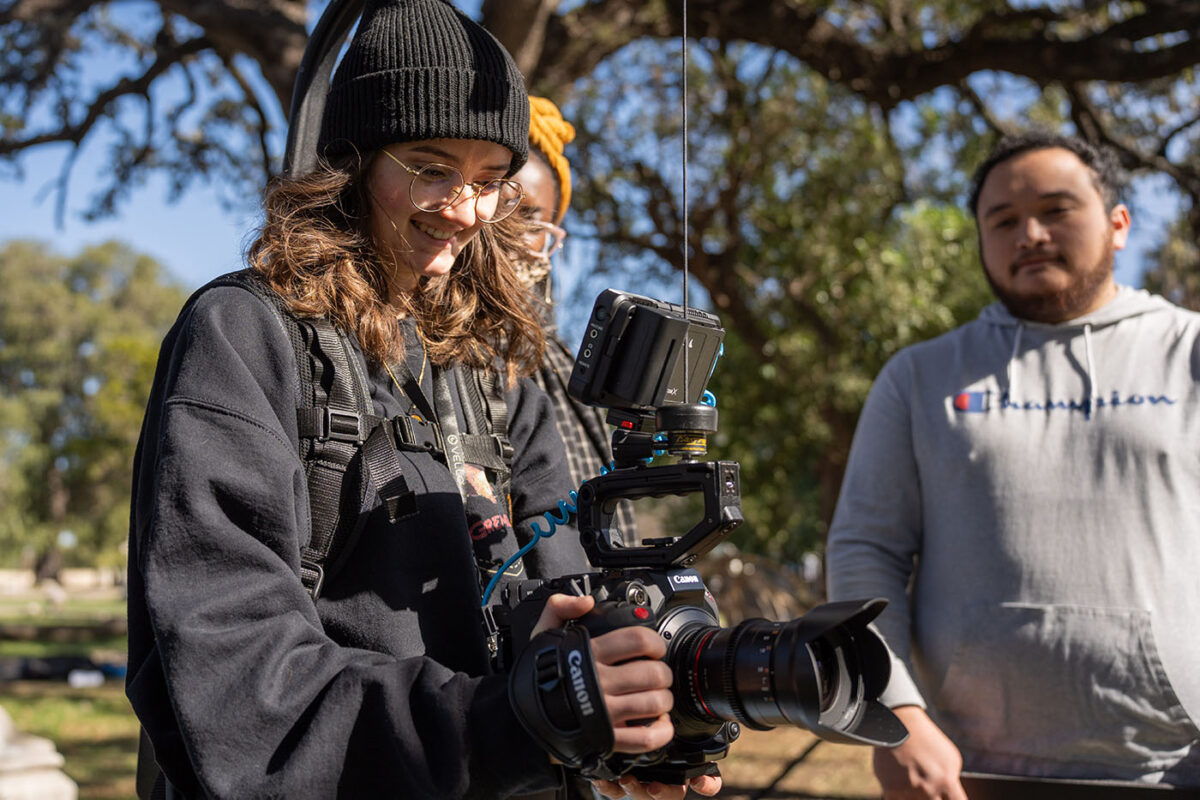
(411, 386)
(555, 691)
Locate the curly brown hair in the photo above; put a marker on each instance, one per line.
(315, 250)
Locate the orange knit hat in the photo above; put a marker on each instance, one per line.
(550, 133)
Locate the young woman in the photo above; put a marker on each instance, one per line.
(251, 678)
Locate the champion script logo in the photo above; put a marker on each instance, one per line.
(983, 402)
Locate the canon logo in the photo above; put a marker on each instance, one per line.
(574, 659)
(689, 578)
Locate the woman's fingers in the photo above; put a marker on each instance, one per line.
(707, 785)
(633, 676)
(636, 687)
(559, 608)
(633, 679)
(623, 708)
(609, 789)
(643, 738)
(623, 644)
(634, 789)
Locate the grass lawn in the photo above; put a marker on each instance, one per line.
(94, 729)
(73, 609)
(761, 759)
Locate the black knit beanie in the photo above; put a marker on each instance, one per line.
(421, 69)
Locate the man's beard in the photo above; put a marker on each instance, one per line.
(1062, 305)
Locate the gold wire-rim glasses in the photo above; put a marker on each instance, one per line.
(508, 193)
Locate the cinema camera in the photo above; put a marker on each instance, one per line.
(823, 671)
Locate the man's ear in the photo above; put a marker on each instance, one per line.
(1119, 217)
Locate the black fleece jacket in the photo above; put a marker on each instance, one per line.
(248, 689)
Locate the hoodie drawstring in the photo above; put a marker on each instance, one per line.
(1010, 373)
(1091, 369)
(1010, 370)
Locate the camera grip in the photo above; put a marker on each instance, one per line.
(610, 615)
(555, 691)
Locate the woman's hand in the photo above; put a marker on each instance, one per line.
(636, 685)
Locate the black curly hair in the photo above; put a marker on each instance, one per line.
(1108, 176)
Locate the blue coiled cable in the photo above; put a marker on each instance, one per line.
(565, 510)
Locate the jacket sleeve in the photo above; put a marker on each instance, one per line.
(540, 479)
(264, 703)
(876, 531)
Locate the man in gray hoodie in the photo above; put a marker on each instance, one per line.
(1025, 492)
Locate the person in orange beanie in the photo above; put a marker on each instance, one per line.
(546, 178)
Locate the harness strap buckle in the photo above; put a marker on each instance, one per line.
(312, 575)
(414, 433)
(504, 448)
(341, 426)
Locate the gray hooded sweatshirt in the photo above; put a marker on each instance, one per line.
(1027, 498)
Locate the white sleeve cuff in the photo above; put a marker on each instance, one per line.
(901, 689)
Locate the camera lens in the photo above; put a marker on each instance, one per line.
(761, 674)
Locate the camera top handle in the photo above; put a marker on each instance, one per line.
(716, 480)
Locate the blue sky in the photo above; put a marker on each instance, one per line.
(194, 238)
(197, 239)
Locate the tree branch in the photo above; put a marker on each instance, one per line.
(520, 25)
(40, 11)
(1091, 124)
(576, 42)
(126, 86)
(982, 108)
(885, 70)
(271, 32)
(252, 99)
(1171, 133)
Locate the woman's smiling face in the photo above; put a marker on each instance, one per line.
(425, 243)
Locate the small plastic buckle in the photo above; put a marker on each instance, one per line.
(414, 433)
(312, 567)
(341, 426)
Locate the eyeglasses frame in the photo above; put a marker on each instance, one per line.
(477, 188)
(555, 233)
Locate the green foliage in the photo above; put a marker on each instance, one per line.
(78, 342)
(806, 239)
(1176, 275)
(789, 417)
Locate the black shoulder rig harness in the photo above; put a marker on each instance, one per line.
(345, 447)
